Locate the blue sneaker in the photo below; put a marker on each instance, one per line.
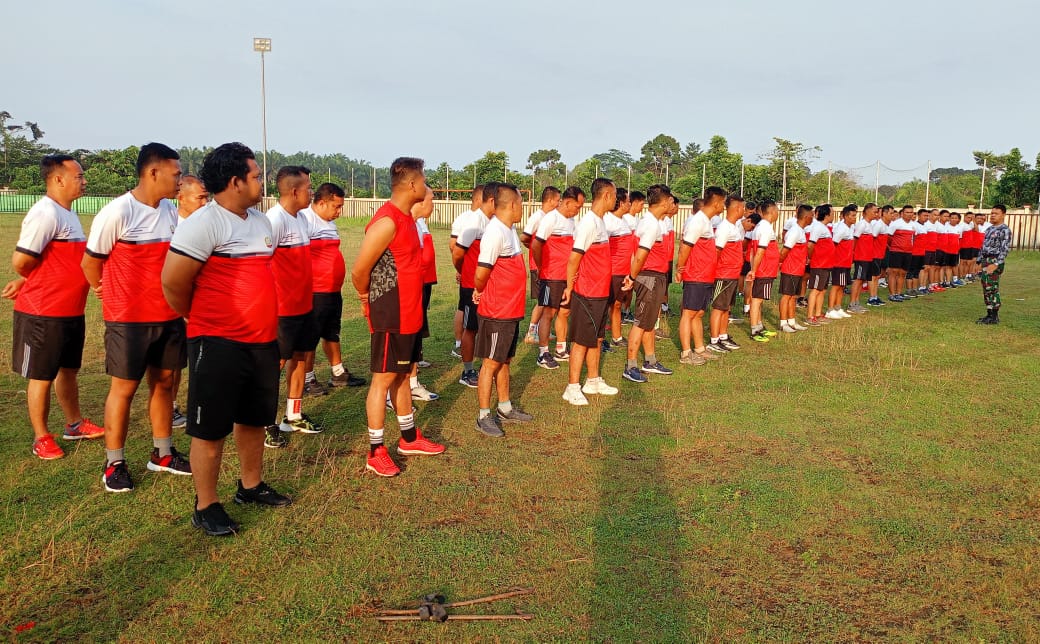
(633, 374)
(657, 367)
(546, 361)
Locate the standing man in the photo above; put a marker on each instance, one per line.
(420, 212)
(464, 257)
(862, 257)
(50, 295)
(913, 275)
(729, 244)
(588, 295)
(844, 241)
(900, 251)
(765, 264)
(821, 260)
(499, 293)
(218, 276)
(792, 268)
(328, 272)
(128, 242)
(995, 247)
(551, 248)
(457, 226)
(294, 283)
(550, 200)
(191, 196)
(697, 261)
(388, 278)
(622, 244)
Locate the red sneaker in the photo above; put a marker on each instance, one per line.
(381, 463)
(421, 446)
(85, 429)
(47, 449)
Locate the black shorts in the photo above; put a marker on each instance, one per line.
(297, 334)
(725, 294)
(762, 288)
(230, 382)
(496, 339)
(131, 348)
(618, 295)
(899, 261)
(533, 290)
(427, 293)
(395, 352)
(973, 253)
(650, 292)
(745, 268)
(819, 278)
(950, 259)
(43, 345)
(877, 269)
(929, 258)
(468, 308)
(790, 284)
(862, 270)
(588, 320)
(551, 293)
(840, 276)
(328, 314)
(696, 296)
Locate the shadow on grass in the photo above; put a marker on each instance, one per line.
(639, 593)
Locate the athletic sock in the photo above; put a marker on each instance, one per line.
(407, 426)
(755, 328)
(531, 328)
(338, 370)
(723, 336)
(468, 366)
(164, 445)
(505, 406)
(458, 343)
(483, 413)
(714, 340)
(113, 455)
(293, 408)
(543, 350)
(747, 309)
(632, 364)
(685, 353)
(310, 377)
(375, 439)
(652, 358)
(413, 381)
(617, 339)
(561, 347)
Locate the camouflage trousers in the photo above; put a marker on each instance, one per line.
(991, 287)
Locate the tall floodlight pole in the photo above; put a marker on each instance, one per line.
(877, 181)
(374, 195)
(352, 183)
(630, 178)
(447, 182)
(927, 184)
(783, 187)
(263, 45)
(828, 182)
(704, 178)
(741, 179)
(982, 193)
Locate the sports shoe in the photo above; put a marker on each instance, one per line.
(423, 364)
(661, 334)
(531, 337)
(262, 494)
(802, 303)
(758, 336)
(692, 358)
(175, 463)
(563, 356)
(895, 298)
(420, 392)
(735, 319)
(46, 449)
(633, 374)
(179, 421)
(842, 313)
(421, 446)
(787, 328)
(303, 424)
(455, 353)
(716, 347)
(213, 520)
(86, 430)
(598, 387)
(488, 427)
(627, 317)
(605, 347)
(314, 388)
(116, 478)
(707, 355)
(857, 309)
(620, 342)
(515, 415)
(799, 327)
(729, 344)
(469, 378)
(813, 322)
(883, 283)
(381, 463)
(833, 315)
(573, 395)
(657, 368)
(347, 379)
(275, 439)
(546, 361)
(875, 302)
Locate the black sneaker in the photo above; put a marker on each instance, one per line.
(276, 438)
(717, 347)
(605, 347)
(347, 380)
(263, 494)
(314, 388)
(469, 378)
(175, 463)
(729, 344)
(214, 521)
(116, 478)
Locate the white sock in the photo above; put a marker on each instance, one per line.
(561, 347)
(747, 309)
(310, 377)
(338, 370)
(413, 381)
(293, 408)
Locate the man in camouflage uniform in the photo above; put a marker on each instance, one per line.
(995, 247)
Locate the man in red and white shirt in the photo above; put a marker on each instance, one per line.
(792, 268)
(388, 278)
(820, 248)
(551, 248)
(218, 276)
(622, 245)
(697, 260)
(765, 264)
(50, 295)
(900, 253)
(499, 293)
(844, 246)
(729, 244)
(457, 226)
(550, 200)
(126, 249)
(862, 256)
(420, 212)
(464, 256)
(588, 294)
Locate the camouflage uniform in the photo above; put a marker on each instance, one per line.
(995, 247)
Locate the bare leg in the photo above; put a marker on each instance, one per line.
(160, 401)
(205, 459)
(117, 411)
(685, 331)
(39, 399)
(561, 324)
(249, 441)
(488, 370)
(66, 388)
(577, 361)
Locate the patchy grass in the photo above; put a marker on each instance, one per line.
(871, 480)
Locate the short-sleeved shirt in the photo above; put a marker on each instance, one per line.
(842, 235)
(794, 262)
(699, 235)
(328, 270)
(879, 229)
(594, 271)
(622, 243)
(293, 276)
(556, 233)
(900, 236)
(729, 240)
(469, 239)
(132, 238)
(429, 253)
(530, 228)
(395, 283)
(57, 286)
(461, 222)
(504, 293)
(234, 296)
(631, 220)
(650, 236)
(765, 238)
(823, 249)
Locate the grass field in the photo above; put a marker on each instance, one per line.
(875, 479)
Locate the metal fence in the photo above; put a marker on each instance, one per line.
(1024, 224)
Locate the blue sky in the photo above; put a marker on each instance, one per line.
(903, 82)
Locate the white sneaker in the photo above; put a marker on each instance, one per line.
(599, 386)
(420, 392)
(799, 327)
(573, 395)
(833, 315)
(787, 328)
(843, 313)
(531, 337)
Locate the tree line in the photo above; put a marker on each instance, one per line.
(784, 173)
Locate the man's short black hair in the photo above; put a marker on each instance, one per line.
(714, 192)
(403, 167)
(622, 196)
(802, 209)
(327, 191)
(887, 208)
(599, 185)
(152, 153)
(733, 198)
(1001, 207)
(224, 163)
(636, 196)
(657, 193)
(572, 192)
(923, 211)
(849, 208)
(490, 188)
(287, 174)
(823, 211)
(505, 193)
(755, 218)
(51, 163)
(697, 204)
(765, 204)
(549, 191)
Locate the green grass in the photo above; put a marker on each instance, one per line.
(871, 480)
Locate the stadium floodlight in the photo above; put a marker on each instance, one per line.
(263, 45)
